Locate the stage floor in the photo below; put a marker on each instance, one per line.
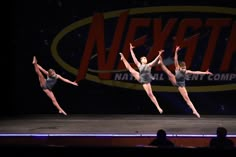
(115, 125)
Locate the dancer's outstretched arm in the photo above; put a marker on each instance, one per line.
(176, 57)
(153, 63)
(133, 56)
(42, 69)
(66, 80)
(199, 72)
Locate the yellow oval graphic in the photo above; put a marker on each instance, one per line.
(134, 11)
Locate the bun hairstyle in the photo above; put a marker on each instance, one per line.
(182, 64)
(51, 72)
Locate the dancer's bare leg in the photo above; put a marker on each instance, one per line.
(41, 78)
(149, 92)
(170, 75)
(184, 94)
(54, 101)
(134, 73)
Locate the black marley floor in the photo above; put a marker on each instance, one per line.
(122, 124)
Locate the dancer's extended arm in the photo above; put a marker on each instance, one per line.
(42, 69)
(133, 56)
(153, 63)
(199, 72)
(66, 80)
(176, 57)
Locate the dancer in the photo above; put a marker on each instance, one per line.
(144, 75)
(48, 83)
(179, 78)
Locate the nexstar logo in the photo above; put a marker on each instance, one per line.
(128, 24)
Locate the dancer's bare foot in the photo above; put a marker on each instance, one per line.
(197, 114)
(160, 52)
(63, 112)
(160, 61)
(161, 111)
(121, 56)
(34, 60)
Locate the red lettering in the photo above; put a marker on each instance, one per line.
(96, 36)
(135, 24)
(187, 36)
(216, 25)
(230, 50)
(160, 37)
(188, 26)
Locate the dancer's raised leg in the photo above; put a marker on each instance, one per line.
(170, 75)
(133, 72)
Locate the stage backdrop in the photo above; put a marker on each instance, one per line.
(81, 40)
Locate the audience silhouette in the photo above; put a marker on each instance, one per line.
(161, 140)
(221, 140)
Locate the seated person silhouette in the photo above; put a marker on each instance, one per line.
(161, 140)
(221, 141)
